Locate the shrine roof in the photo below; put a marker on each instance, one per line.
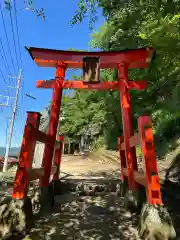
(135, 58)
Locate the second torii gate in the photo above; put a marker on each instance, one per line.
(122, 60)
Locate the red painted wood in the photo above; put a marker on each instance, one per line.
(134, 141)
(58, 157)
(122, 157)
(42, 137)
(103, 65)
(53, 124)
(45, 83)
(36, 173)
(125, 101)
(90, 86)
(21, 182)
(50, 58)
(153, 190)
(138, 84)
(138, 176)
(112, 85)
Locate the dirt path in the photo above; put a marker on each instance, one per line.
(85, 217)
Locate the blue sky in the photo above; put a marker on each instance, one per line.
(55, 33)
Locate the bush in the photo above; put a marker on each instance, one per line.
(168, 127)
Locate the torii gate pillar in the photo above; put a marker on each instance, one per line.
(52, 130)
(125, 101)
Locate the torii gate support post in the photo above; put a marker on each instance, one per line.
(52, 131)
(57, 162)
(21, 182)
(130, 152)
(123, 165)
(58, 157)
(153, 188)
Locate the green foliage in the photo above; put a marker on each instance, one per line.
(133, 24)
(98, 143)
(27, 5)
(169, 127)
(86, 8)
(130, 24)
(83, 112)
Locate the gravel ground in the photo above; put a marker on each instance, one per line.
(99, 217)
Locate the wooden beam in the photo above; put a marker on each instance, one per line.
(138, 176)
(134, 141)
(53, 170)
(112, 85)
(37, 173)
(42, 137)
(45, 83)
(78, 65)
(90, 86)
(50, 57)
(138, 85)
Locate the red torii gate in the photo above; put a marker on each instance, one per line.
(61, 60)
(122, 60)
(67, 59)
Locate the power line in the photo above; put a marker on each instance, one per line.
(5, 127)
(2, 52)
(12, 27)
(7, 39)
(3, 77)
(17, 30)
(3, 56)
(4, 60)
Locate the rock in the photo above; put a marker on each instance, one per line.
(82, 193)
(155, 223)
(80, 187)
(36, 200)
(132, 200)
(91, 193)
(104, 187)
(122, 188)
(118, 189)
(16, 218)
(94, 189)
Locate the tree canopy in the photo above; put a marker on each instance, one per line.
(133, 24)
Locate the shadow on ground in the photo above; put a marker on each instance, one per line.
(86, 217)
(75, 217)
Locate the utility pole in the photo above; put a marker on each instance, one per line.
(12, 122)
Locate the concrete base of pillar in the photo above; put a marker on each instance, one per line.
(155, 223)
(133, 200)
(16, 219)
